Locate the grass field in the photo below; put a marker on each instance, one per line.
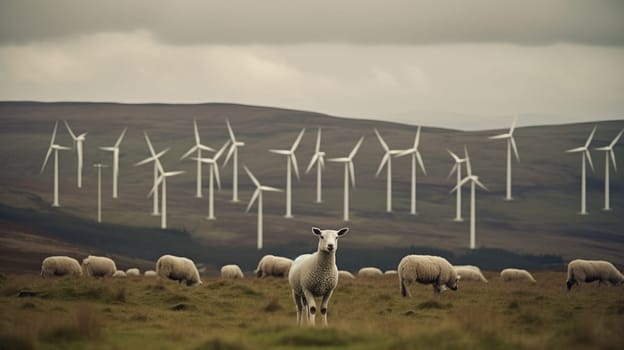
(70, 313)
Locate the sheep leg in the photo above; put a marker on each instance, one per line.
(299, 306)
(404, 291)
(324, 303)
(309, 299)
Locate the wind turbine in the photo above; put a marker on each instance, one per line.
(291, 162)
(197, 148)
(99, 170)
(115, 150)
(318, 158)
(457, 168)
(415, 157)
(78, 140)
(158, 169)
(586, 155)
(473, 180)
(233, 151)
(387, 160)
(609, 154)
(214, 173)
(349, 172)
(511, 143)
(163, 179)
(258, 195)
(56, 148)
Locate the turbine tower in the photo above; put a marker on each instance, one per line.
(415, 157)
(349, 172)
(99, 205)
(457, 168)
(213, 173)
(318, 158)
(233, 151)
(163, 179)
(511, 143)
(291, 162)
(115, 150)
(56, 148)
(609, 154)
(158, 169)
(197, 148)
(473, 180)
(258, 195)
(586, 156)
(78, 140)
(387, 160)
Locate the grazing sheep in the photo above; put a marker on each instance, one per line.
(512, 275)
(60, 266)
(390, 272)
(426, 269)
(119, 273)
(345, 274)
(133, 272)
(150, 273)
(470, 273)
(592, 270)
(369, 272)
(178, 269)
(231, 272)
(271, 265)
(316, 275)
(98, 266)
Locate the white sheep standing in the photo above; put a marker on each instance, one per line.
(133, 272)
(345, 274)
(150, 273)
(470, 273)
(271, 265)
(231, 272)
(119, 273)
(60, 266)
(98, 266)
(513, 275)
(593, 270)
(369, 272)
(426, 269)
(178, 269)
(390, 272)
(316, 275)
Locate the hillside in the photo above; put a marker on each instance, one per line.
(541, 221)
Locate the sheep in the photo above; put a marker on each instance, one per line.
(426, 269)
(231, 272)
(150, 273)
(593, 270)
(512, 275)
(390, 272)
(98, 266)
(60, 266)
(178, 269)
(369, 272)
(316, 275)
(470, 273)
(345, 274)
(133, 272)
(119, 273)
(271, 265)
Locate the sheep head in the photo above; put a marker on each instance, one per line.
(328, 239)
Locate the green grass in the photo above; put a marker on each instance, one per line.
(78, 313)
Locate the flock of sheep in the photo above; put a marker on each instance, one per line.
(316, 275)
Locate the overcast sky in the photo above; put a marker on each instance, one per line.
(464, 64)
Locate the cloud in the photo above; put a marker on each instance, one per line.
(287, 22)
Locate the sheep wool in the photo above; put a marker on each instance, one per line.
(345, 274)
(119, 273)
(513, 275)
(178, 269)
(470, 273)
(390, 272)
(316, 275)
(150, 273)
(593, 270)
(231, 272)
(369, 272)
(133, 272)
(426, 269)
(60, 266)
(99, 266)
(271, 265)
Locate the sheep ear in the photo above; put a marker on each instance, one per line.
(316, 231)
(343, 231)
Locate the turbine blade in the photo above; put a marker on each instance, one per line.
(62, 148)
(121, 137)
(271, 189)
(453, 169)
(468, 165)
(612, 154)
(173, 173)
(591, 136)
(513, 126)
(314, 158)
(417, 138)
(294, 164)
(576, 150)
(45, 161)
(322, 162)
(589, 159)
(283, 152)
(156, 184)
(251, 176)
(189, 152)
(339, 160)
(69, 129)
(54, 134)
(480, 184)
(196, 131)
(318, 141)
(149, 144)
(617, 138)
(108, 149)
(457, 159)
(460, 184)
(230, 152)
(221, 150)
(356, 148)
(498, 137)
(230, 131)
(384, 145)
(515, 148)
(253, 199)
(406, 152)
(215, 166)
(297, 141)
(352, 173)
(420, 162)
(383, 162)
(205, 148)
